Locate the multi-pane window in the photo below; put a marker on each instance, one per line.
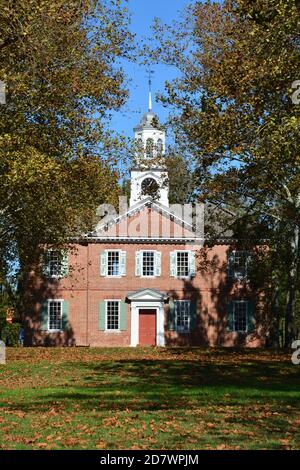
(112, 315)
(55, 314)
(182, 263)
(113, 263)
(240, 315)
(148, 263)
(238, 261)
(55, 263)
(182, 312)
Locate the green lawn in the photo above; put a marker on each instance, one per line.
(79, 398)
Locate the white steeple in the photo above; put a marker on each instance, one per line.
(148, 176)
(150, 96)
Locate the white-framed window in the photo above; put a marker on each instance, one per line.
(55, 314)
(238, 264)
(112, 315)
(182, 315)
(55, 263)
(240, 315)
(148, 263)
(182, 264)
(113, 263)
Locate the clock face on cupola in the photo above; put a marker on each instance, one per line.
(148, 175)
(150, 187)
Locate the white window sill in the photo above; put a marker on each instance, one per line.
(54, 331)
(112, 331)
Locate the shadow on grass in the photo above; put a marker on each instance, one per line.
(143, 384)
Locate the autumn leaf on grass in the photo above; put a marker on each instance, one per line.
(101, 445)
(210, 425)
(42, 445)
(285, 442)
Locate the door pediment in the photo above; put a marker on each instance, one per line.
(147, 294)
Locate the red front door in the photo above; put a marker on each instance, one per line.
(147, 327)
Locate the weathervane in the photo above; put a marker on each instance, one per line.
(150, 73)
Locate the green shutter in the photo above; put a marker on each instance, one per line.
(230, 264)
(101, 320)
(65, 315)
(103, 263)
(45, 261)
(123, 317)
(249, 264)
(230, 318)
(138, 270)
(250, 316)
(193, 315)
(172, 316)
(44, 315)
(64, 263)
(173, 258)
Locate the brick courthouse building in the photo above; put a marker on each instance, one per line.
(139, 278)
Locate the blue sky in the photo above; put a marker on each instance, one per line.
(142, 14)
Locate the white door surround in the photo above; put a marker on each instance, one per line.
(147, 299)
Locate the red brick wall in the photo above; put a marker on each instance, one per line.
(85, 288)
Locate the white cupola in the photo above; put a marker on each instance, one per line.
(148, 175)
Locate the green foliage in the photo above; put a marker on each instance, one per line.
(59, 61)
(2, 318)
(10, 334)
(181, 179)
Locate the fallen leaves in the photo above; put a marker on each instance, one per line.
(97, 399)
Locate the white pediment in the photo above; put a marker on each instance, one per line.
(147, 294)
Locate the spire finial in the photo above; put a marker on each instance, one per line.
(150, 72)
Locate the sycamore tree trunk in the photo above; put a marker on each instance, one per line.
(290, 329)
(275, 313)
